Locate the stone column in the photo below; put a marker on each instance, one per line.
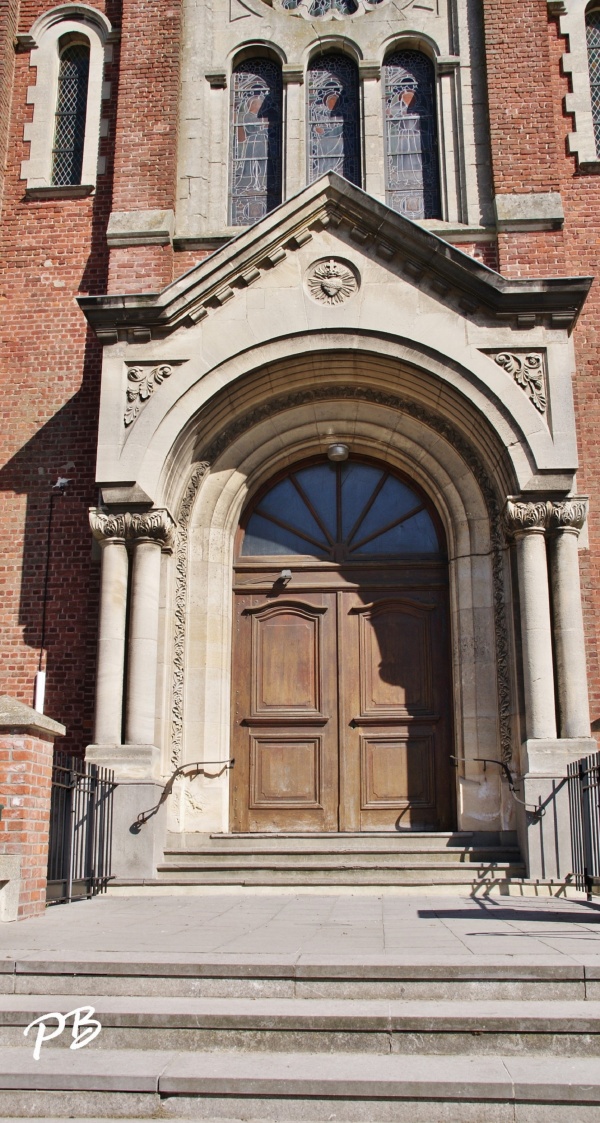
(110, 530)
(373, 142)
(150, 533)
(526, 522)
(294, 147)
(566, 520)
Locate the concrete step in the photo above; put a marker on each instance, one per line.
(298, 1086)
(316, 1025)
(267, 976)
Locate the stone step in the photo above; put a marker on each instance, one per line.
(264, 976)
(395, 841)
(298, 1086)
(265, 873)
(316, 1025)
(311, 857)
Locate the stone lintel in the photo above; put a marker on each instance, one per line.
(16, 717)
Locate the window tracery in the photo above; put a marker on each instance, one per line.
(256, 132)
(333, 118)
(411, 147)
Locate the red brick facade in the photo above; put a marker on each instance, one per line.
(53, 250)
(25, 775)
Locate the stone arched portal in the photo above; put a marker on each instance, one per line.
(454, 376)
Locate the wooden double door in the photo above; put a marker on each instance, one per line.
(341, 709)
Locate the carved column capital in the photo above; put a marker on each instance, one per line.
(156, 526)
(106, 526)
(521, 515)
(568, 514)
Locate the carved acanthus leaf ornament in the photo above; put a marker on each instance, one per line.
(142, 384)
(528, 373)
(196, 477)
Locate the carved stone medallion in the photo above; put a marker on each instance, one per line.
(331, 281)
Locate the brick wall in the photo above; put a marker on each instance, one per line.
(50, 251)
(25, 786)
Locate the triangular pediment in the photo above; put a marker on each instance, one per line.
(335, 204)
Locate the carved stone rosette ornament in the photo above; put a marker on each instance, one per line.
(156, 525)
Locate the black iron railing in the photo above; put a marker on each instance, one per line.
(80, 845)
(584, 803)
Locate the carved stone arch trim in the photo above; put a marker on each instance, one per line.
(188, 498)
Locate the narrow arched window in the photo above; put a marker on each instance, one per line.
(71, 109)
(411, 145)
(333, 118)
(256, 112)
(592, 27)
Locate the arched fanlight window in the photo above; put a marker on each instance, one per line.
(71, 110)
(256, 113)
(411, 143)
(345, 512)
(333, 118)
(592, 27)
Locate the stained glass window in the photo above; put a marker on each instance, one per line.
(592, 25)
(341, 512)
(333, 118)
(71, 106)
(412, 175)
(256, 141)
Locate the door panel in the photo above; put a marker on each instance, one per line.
(378, 659)
(394, 712)
(285, 716)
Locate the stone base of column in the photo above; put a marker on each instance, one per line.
(137, 848)
(545, 839)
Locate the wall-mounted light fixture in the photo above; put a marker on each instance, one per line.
(338, 453)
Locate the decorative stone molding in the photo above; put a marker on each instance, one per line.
(331, 282)
(142, 384)
(539, 210)
(569, 514)
(528, 372)
(562, 514)
(44, 41)
(582, 141)
(127, 526)
(140, 228)
(520, 515)
(198, 473)
(471, 458)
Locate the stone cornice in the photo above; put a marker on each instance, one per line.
(334, 203)
(155, 525)
(542, 515)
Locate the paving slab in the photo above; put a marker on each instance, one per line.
(281, 929)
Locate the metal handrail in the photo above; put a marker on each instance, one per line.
(199, 766)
